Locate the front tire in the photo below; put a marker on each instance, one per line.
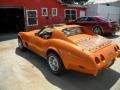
(55, 64)
(20, 44)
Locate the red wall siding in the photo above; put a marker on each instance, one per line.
(37, 5)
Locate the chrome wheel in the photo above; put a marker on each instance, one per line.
(53, 63)
(20, 44)
(97, 30)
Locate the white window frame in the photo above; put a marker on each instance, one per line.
(56, 11)
(70, 9)
(46, 11)
(32, 17)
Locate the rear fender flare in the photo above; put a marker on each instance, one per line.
(54, 49)
(58, 52)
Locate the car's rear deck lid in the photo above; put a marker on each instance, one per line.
(92, 44)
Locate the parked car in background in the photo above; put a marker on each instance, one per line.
(70, 47)
(97, 24)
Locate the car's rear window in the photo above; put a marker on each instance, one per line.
(104, 19)
(72, 31)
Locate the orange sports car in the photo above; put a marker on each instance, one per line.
(70, 47)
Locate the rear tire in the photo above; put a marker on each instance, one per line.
(55, 64)
(97, 30)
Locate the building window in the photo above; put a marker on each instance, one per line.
(82, 13)
(70, 14)
(32, 17)
(54, 11)
(44, 12)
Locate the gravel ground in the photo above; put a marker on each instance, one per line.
(28, 71)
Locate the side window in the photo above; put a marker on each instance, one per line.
(46, 33)
(90, 19)
(44, 12)
(32, 17)
(82, 19)
(54, 11)
(70, 14)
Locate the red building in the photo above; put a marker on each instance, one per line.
(18, 15)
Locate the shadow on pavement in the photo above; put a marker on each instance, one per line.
(72, 80)
(111, 36)
(7, 36)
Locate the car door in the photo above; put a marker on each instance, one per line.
(91, 22)
(39, 45)
(40, 41)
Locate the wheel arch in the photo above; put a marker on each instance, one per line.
(56, 51)
(52, 49)
(24, 43)
(61, 63)
(19, 36)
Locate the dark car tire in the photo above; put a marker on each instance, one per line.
(20, 44)
(113, 33)
(97, 30)
(55, 64)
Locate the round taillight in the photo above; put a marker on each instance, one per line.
(97, 60)
(102, 57)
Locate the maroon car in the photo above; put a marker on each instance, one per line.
(97, 24)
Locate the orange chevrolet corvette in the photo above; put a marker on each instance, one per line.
(70, 47)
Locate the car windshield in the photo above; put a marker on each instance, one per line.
(72, 31)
